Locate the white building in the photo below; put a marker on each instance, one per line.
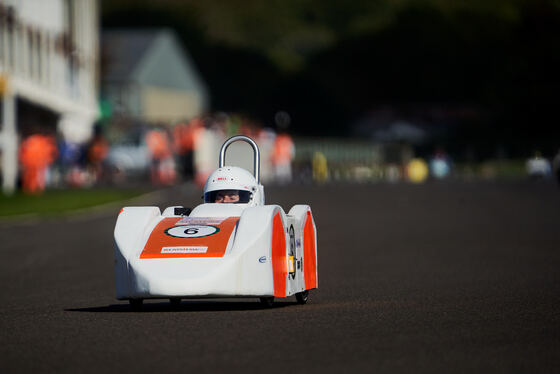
(48, 66)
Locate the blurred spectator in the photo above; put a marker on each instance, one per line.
(206, 146)
(72, 159)
(183, 136)
(162, 166)
(538, 167)
(37, 152)
(556, 166)
(97, 153)
(393, 173)
(69, 153)
(265, 141)
(282, 156)
(440, 164)
(320, 169)
(69, 156)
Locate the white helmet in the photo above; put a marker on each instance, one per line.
(228, 178)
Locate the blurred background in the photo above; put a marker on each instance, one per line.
(423, 133)
(137, 94)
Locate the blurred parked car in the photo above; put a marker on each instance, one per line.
(130, 158)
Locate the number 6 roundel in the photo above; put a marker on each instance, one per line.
(191, 231)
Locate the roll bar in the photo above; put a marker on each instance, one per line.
(246, 139)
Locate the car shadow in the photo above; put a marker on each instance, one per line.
(185, 306)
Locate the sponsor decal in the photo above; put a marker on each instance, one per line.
(298, 243)
(191, 231)
(200, 221)
(262, 259)
(184, 249)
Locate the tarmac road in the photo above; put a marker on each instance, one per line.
(441, 277)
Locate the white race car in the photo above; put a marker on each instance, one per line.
(233, 245)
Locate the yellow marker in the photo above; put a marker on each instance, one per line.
(417, 170)
(291, 264)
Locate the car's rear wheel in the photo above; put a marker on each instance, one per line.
(136, 304)
(267, 301)
(302, 296)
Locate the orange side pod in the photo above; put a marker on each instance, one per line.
(279, 269)
(309, 259)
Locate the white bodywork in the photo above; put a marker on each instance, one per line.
(246, 268)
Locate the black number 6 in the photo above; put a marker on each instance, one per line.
(191, 231)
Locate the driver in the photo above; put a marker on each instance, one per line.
(233, 185)
(227, 196)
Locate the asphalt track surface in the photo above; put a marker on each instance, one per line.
(441, 277)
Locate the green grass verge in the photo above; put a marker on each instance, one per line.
(55, 202)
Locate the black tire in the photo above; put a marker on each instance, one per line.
(136, 304)
(175, 302)
(302, 297)
(267, 301)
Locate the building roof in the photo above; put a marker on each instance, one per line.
(152, 57)
(123, 50)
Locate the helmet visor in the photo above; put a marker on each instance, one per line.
(228, 196)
